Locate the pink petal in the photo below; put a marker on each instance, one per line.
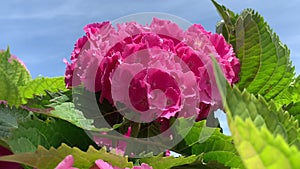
(67, 163)
(104, 165)
(143, 166)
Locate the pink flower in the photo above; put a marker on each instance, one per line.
(100, 164)
(104, 165)
(157, 70)
(68, 163)
(3, 102)
(168, 153)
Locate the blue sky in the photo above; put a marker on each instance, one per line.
(42, 33)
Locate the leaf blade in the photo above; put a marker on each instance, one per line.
(40, 158)
(40, 85)
(266, 68)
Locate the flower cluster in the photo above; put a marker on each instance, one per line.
(157, 70)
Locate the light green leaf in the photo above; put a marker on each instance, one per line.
(245, 105)
(12, 75)
(16, 83)
(15, 71)
(40, 158)
(290, 95)
(9, 90)
(40, 85)
(161, 162)
(260, 149)
(226, 158)
(68, 112)
(45, 103)
(265, 62)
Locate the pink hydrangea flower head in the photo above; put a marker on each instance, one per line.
(156, 70)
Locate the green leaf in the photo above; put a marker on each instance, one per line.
(40, 85)
(294, 109)
(46, 103)
(265, 62)
(49, 133)
(226, 158)
(9, 91)
(12, 74)
(264, 136)
(259, 148)
(245, 105)
(10, 117)
(289, 95)
(40, 158)
(17, 85)
(68, 112)
(266, 66)
(14, 69)
(161, 162)
(227, 25)
(208, 141)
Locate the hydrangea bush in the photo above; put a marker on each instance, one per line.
(134, 95)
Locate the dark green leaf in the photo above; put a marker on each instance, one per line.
(208, 141)
(227, 25)
(10, 117)
(294, 109)
(49, 133)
